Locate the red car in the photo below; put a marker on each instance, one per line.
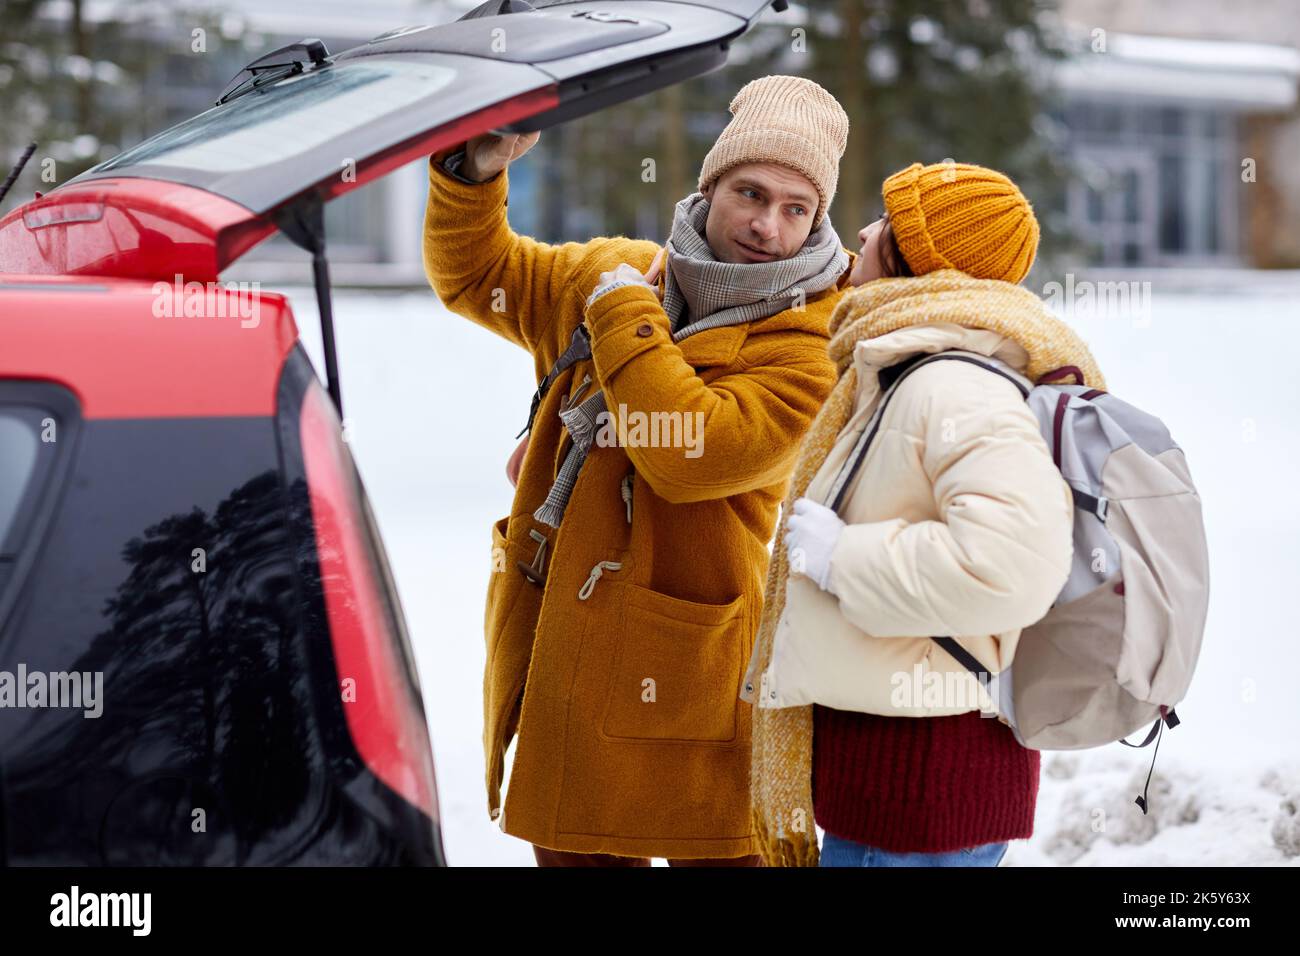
(202, 655)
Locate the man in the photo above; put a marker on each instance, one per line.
(627, 580)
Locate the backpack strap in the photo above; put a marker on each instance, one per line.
(579, 349)
(890, 380)
(1167, 718)
(964, 657)
(1089, 503)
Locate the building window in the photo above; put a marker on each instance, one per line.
(1154, 182)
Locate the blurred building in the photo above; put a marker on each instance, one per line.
(1183, 125)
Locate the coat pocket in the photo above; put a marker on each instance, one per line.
(678, 669)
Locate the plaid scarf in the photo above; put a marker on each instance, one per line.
(700, 292)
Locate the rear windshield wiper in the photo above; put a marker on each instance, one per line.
(276, 65)
(13, 173)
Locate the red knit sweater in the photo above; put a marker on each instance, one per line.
(921, 784)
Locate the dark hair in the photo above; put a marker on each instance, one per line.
(891, 259)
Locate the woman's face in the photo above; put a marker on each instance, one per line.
(867, 266)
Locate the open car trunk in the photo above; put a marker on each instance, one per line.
(300, 127)
(341, 123)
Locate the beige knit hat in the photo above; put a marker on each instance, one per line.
(788, 120)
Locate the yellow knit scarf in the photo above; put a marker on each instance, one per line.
(781, 769)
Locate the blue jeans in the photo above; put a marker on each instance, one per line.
(837, 851)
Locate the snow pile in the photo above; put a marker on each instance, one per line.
(1196, 815)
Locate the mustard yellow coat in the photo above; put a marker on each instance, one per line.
(632, 737)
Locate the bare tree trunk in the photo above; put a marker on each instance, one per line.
(855, 170)
(674, 172)
(86, 89)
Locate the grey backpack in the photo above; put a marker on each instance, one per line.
(1117, 649)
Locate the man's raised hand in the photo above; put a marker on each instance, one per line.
(487, 154)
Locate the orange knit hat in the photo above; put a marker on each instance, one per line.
(959, 216)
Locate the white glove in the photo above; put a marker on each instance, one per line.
(621, 276)
(810, 538)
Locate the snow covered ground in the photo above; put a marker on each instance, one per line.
(434, 401)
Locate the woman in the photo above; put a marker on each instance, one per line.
(955, 523)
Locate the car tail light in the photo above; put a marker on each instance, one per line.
(385, 716)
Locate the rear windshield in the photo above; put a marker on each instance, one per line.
(287, 118)
(32, 436)
(19, 441)
(21, 462)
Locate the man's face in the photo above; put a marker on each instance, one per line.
(759, 212)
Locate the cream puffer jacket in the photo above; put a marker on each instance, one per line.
(958, 524)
